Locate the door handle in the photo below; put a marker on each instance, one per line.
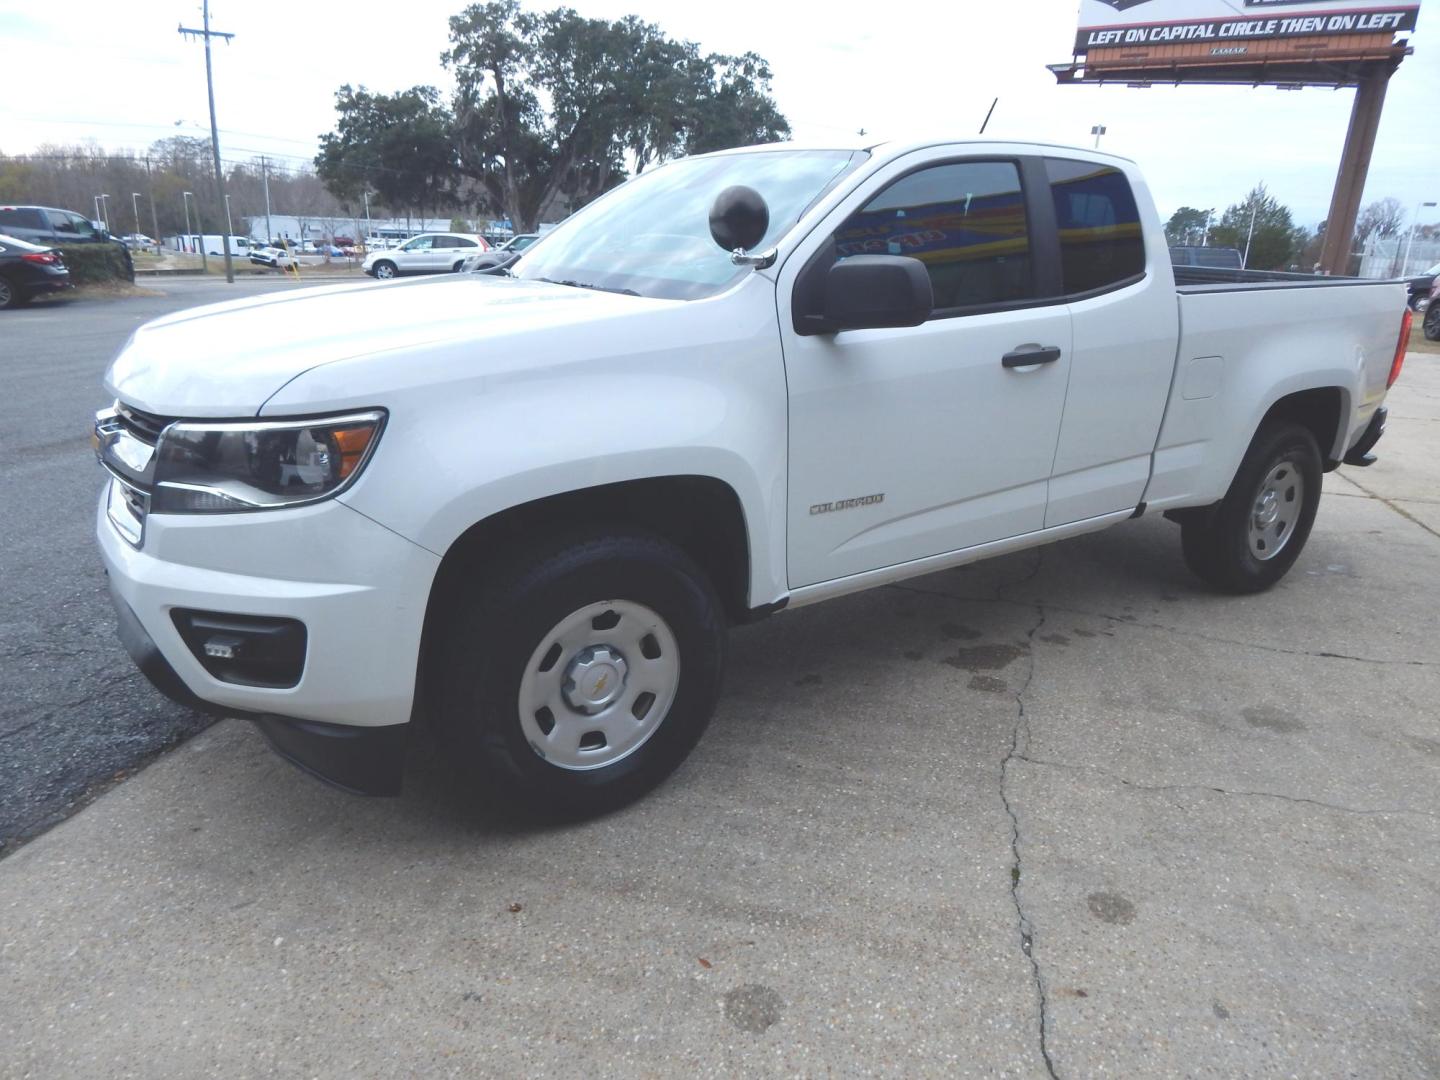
(1031, 356)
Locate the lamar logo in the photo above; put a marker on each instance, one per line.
(847, 504)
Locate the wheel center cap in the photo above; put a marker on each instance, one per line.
(1267, 508)
(595, 679)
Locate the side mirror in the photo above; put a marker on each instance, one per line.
(739, 218)
(866, 292)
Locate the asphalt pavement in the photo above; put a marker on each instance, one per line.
(75, 714)
(1062, 814)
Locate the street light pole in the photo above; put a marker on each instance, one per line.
(367, 219)
(105, 207)
(97, 209)
(229, 230)
(1405, 266)
(135, 202)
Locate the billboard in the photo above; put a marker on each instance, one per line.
(1231, 24)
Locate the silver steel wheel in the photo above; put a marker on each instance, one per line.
(599, 684)
(384, 271)
(1277, 509)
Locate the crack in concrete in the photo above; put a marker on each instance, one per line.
(1125, 620)
(1020, 737)
(1393, 506)
(1212, 789)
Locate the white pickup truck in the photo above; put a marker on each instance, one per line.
(525, 507)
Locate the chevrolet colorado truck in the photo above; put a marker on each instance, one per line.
(524, 507)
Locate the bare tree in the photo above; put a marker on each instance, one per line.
(1383, 218)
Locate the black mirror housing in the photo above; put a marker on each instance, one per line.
(739, 218)
(867, 292)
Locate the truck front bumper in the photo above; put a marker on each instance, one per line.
(357, 590)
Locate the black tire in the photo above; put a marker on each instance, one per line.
(500, 622)
(11, 295)
(385, 270)
(458, 264)
(1218, 544)
(1431, 323)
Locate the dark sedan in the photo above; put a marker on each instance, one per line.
(27, 270)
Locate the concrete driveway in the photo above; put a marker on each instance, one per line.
(1062, 813)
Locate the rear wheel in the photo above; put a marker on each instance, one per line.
(10, 295)
(576, 676)
(1432, 322)
(458, 264)
(385, 270)
(1250, 539)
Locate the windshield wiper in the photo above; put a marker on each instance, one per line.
(585, 285)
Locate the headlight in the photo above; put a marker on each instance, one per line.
(227, 467)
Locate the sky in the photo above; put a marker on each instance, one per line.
(120, 74)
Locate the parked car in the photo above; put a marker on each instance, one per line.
(503, 255)
(28, 270)
(428, 253)
(527, 508)
(137, 241)
(1431, 324)
(1214, 258)
(49, 225)
(1420, 286)
(279, 258)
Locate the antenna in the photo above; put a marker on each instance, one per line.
(988, 115)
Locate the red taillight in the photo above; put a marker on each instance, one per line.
(41, 257)
(1400, 347)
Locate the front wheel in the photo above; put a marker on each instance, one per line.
(576, 676)
(385, 270)
(1432, 322)
(1250, 539)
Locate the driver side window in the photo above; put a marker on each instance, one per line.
(964, 220)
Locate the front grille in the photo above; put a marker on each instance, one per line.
(144, 426)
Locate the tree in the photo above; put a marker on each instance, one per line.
(551, 107)
(395, 145)
(1273, 241)
(1383, 218)
(1187, 226)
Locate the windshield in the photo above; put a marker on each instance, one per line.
(651, 235)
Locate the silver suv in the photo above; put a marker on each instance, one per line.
(428, 253)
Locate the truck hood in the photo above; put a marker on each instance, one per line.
(226, 360)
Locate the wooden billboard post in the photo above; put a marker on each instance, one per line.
(1322, 43)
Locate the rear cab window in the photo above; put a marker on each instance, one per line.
(1101, 244)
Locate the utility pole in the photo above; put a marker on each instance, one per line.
(135, 202)
(265, 177)
(368, 230)
(207, 34)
